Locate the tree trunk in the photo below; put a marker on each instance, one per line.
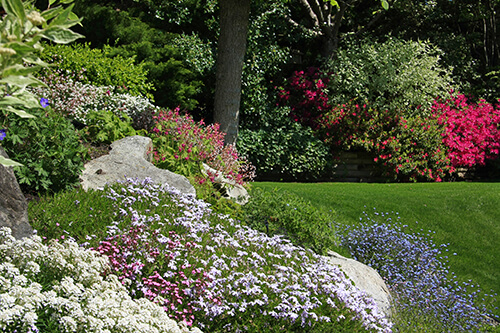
(231, 54)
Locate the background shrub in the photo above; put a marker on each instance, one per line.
(49, 148)
(100, 67)
(283, 213)
(390, 74)
(472, 133)
(131, 32)
(107, 127)
(404, 148)
(285, 150)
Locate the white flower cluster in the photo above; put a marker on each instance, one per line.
(76, 99)
(60, 286)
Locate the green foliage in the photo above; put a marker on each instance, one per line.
(100, 67)
(265, 58)
(394, 74)
(49, 149)
(284, 213)
(284, 149)
(85, 213)
(22, 28)
(131, 34)
(106, 127)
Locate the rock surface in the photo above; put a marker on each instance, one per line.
(364, 278)
(13, 205)
(129, 158)
(228, 188)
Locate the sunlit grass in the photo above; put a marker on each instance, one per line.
(464, 215)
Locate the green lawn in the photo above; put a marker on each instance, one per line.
(466, 215)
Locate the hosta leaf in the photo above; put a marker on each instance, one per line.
(14, 7)
(61, 36)
(8, 162)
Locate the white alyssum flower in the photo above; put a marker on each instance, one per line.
(75, 296)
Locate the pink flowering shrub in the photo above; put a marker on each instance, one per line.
(471, 133)
(182, 145)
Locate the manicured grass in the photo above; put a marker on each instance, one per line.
(464, 215)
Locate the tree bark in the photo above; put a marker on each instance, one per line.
(231, 48)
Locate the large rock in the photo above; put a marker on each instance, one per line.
(13, 205)
(129, 158)
(364, 278)
(227, 187)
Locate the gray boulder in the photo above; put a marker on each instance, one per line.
(13, 205)
(365, 278)
(228, 188)
(129, 158)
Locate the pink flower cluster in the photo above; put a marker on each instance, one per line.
(182, 144)
(134, 257)
(471, 132)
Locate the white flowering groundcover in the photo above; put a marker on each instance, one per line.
(59, 288)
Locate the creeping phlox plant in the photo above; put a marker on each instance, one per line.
(182, 145)
(426, 292)
(217, 274)
(59, 288)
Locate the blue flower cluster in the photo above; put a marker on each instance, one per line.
(416, 272)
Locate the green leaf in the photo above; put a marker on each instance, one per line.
(62, 18)
(22, 81)
(385, 4)
(334, 3)
(61, 36)
(14, 7)
(8, 162)
(19, 112)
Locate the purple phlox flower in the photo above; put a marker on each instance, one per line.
(3, 134)
(44, 102)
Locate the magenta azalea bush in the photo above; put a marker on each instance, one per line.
(406, 145)
(181, 145)
(471, 132)
(210, 271)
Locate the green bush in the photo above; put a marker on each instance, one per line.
(131, 33)
(106, 127)
(48, 146)
(394, 74)
(285, 150)
(283, 213)
(100, 67)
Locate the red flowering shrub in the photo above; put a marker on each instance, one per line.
(472, 132)
(306, 95)
(182, 145)
(407, 149)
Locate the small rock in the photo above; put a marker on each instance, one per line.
(364, 278)
(228, 188)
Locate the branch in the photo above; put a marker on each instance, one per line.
(300, 26)
(311, 12)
